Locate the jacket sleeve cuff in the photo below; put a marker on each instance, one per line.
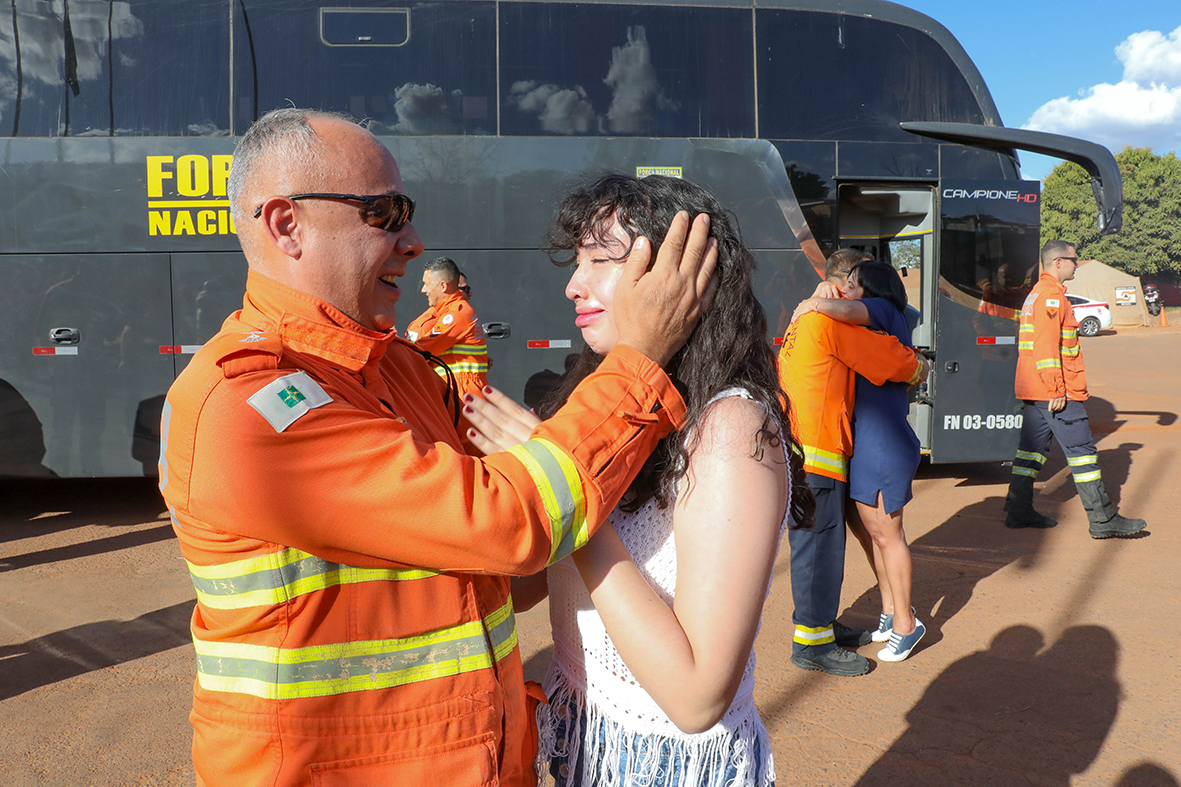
(662, 386)
(612, 422)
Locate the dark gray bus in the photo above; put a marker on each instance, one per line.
(821, 124)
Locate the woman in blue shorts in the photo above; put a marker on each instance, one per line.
(885, 453)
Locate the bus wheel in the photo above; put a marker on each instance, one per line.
(1089, 326)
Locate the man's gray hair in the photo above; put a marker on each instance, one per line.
(279, 135)
(445, 268)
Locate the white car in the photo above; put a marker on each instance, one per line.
(1092, 316)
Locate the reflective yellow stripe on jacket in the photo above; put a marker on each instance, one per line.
(280, 576)
(465, 359)
(324, 670)
(560, 486)
(817, 460)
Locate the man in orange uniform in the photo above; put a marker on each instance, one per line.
(352, 623)
(450, 327)
(1052, 381)
(817, 369)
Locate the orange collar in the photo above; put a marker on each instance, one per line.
(450, 299)
(308, 325)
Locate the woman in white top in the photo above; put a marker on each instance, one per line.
(654, 621)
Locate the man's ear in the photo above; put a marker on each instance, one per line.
(281, 228)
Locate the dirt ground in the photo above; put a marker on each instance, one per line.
(1050, 658)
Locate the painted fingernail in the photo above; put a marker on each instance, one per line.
(469, 398)
(471, 432)
(487, 389)
(468, 411)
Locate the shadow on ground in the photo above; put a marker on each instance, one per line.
(35, 507)
(1014, 714)
(92, 646)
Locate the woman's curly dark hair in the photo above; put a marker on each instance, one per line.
(728, 347)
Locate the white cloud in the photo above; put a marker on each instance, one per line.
(424, 109)
(636, 95)
(561, 110)
(1151, 57)
(1143, 109)
(636, 88)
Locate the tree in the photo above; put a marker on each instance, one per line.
(1150, 241)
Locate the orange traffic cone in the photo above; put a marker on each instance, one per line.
(1164, 321)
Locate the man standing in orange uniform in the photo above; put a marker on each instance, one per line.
(817, 369)
(1052, 381)
(353, 624)
(450, 327)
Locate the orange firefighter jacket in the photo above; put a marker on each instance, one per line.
(818, 368)
(457, 337)
(421, 325)
(1049, 358)
(352, 625)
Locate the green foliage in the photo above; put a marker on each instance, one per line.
(906, 253)
(1150, 241)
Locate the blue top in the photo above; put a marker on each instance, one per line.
(885, 448)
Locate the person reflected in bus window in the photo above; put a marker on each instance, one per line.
(654, 622)
(354, 622)
(464, 288)
(1052, 382)
(886, 453)
(818, 366)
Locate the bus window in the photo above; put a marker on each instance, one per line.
(420, 68)
(626, 70)
(896, 225)
(811, 167)
(115, 69)
(839, 76)
(989, 244)
(957, 161)
(906, 255)
(894, 161)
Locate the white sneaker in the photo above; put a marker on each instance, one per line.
(901, 645)
(885, 626)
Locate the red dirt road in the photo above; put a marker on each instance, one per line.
(1050, 658)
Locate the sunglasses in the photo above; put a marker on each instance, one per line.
(467, 289)
(389, 212)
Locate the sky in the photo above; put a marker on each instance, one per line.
(1108, 72)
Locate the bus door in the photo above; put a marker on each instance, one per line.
(81, 361)
(896, 224)
(988, 262)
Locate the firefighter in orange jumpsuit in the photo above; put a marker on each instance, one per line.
(353, 624)
(818, 368)
(450, 329)
(1052, 381)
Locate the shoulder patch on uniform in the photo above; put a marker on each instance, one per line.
(253, 351)
(286, 400)
(447, 319)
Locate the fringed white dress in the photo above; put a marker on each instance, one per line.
(601, 729)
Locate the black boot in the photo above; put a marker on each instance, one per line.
(1019, 504)
(1105, 522)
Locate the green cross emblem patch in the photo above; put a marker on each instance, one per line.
(291, 396)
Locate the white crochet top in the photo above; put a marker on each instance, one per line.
(588, 669)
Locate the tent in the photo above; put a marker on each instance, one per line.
(1121, 291)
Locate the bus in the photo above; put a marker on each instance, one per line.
(821, 125)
